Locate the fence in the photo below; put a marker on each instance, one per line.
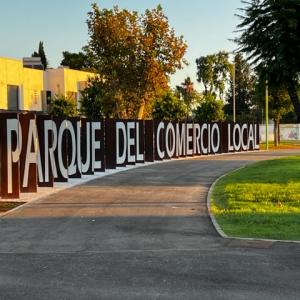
(288, 132)
(38, 150)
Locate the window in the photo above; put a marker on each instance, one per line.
(35, 97)
(46, 100)
(12, 97)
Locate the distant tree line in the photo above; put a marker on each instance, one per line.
(135, 54)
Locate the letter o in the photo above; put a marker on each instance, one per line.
(237, 146)
(170, 151)
(215, 147)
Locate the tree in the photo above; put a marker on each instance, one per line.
(279, 102)
(62, 106)
(169, 107)
(95, 101)
(270, 37)
(210, 109)
(189, 95)
(135, 54)
(76, 61)
(244, 90)
(213, 71)
(41, 54)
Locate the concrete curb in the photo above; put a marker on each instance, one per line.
(218, 227)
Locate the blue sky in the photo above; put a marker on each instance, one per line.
(205, 24)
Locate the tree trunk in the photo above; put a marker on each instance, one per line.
(276, 132)
(295, 99)
(141, 111)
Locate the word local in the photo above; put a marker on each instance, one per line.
(38, 150)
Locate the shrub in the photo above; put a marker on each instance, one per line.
(62, 106)
(95, 101)
(209, 110)
(169, 107)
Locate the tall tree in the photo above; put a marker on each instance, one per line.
(279, 101)
(213, 71)
(188, 93)
(135, 54)
(76, 61)
(244, 89)
(270, 36)
(41, 53)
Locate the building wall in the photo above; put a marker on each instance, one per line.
(32, 83)
(29, 81)
(62, 81)
(54, 81)
(66, 82)
(73, 78)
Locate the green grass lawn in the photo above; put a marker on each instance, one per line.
(6, 206)
(261, 200)
(283, 145)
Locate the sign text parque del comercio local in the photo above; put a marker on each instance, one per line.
(38, 150)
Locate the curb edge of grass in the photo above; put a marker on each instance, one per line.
(208, 204)
(218, 228)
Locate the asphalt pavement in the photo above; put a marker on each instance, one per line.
(141, 234)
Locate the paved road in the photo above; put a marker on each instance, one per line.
(140, 234)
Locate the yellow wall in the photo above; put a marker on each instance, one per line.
(33, 84)
(30, 83)
(62, 81)
(73, 77)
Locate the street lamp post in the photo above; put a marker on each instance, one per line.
(267, 115)
(233, 92)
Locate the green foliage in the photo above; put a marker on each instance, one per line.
(62, 106)
(261, 200)
(279, 100)
(270, 37)
(76, 61)
(189, 95)
(210, 109)
(213, 71)
(244, 90)
(95, 101)
(135, 54)
(169, 107)
(42, 55)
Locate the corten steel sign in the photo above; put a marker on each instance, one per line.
(38, 150)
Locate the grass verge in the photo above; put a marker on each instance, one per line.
(6, 205)
(260, 201)
(284, 145)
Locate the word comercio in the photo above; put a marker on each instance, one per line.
(38, 150)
